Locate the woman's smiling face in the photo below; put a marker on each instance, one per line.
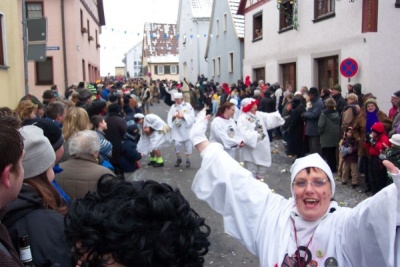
(312, 192)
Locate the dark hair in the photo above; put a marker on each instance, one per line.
(326, 91)
(142, 223)
(54, 109)
(95, 120)
(51, 198)
(10, 117)
(223, 107)
(11, 141)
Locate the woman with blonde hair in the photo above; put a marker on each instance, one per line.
(26, 109)
(75, 121)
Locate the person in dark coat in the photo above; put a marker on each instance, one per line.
(39, 210)
(85, 101)
(311, 117)
(325, 94)
(10, 167)
(130, 157)
(116, 129)
(357, 90)
(267, 104)
(336, 94)
(329, 133)
(295, 136)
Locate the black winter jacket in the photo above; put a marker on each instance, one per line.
(27, 215)
(129, 154)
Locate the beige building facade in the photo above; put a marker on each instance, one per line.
(72, 47)
(11, 65)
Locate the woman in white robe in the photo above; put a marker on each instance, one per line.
(224, 130)
(309, 229)
(252, 127)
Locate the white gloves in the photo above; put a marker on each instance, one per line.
(343, 151)
(198, 131)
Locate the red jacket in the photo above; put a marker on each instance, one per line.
(376, 148)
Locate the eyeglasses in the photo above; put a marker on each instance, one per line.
(315, 183)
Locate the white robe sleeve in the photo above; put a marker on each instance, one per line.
(189, 116)
(369, 230)
(250, 136)
(230, 190)
(171, 113)
(271, 120)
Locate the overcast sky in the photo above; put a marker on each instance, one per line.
(124, 27)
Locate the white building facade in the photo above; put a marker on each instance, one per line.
(327, 33)
(192, 26)
(225, 46)
(133, 61)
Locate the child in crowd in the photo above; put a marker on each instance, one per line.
(376, 142)
(130, 157)
(348, 151)
(100, 125)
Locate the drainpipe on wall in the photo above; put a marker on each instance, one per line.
(64, 45)
(25, 47)
(198, 49)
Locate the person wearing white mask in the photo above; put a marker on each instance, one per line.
(180, 119)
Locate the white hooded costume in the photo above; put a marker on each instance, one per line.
(180, 128)
(224, 131)
(262, 220)
(253, 129)
(157, 138)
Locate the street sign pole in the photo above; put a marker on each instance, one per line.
(25, 47)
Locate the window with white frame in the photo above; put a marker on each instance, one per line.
(217, 27)
(230, 62)
(2, 41)
(160, 69)
(213, 68)
(34, 10)
(173, 69)
(225, 22)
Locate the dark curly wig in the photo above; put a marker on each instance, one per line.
(136, 224)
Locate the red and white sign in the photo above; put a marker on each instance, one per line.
(348, 67)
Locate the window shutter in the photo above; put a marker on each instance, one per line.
(177, 69)
(167, 69)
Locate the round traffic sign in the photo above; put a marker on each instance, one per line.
(348, 67)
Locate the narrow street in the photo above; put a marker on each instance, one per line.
(225, 250)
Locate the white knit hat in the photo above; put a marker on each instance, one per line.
(39, 153)
(178, 95)
(313, 160)
(138, 116)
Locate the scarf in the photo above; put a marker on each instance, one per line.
(372, 117)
